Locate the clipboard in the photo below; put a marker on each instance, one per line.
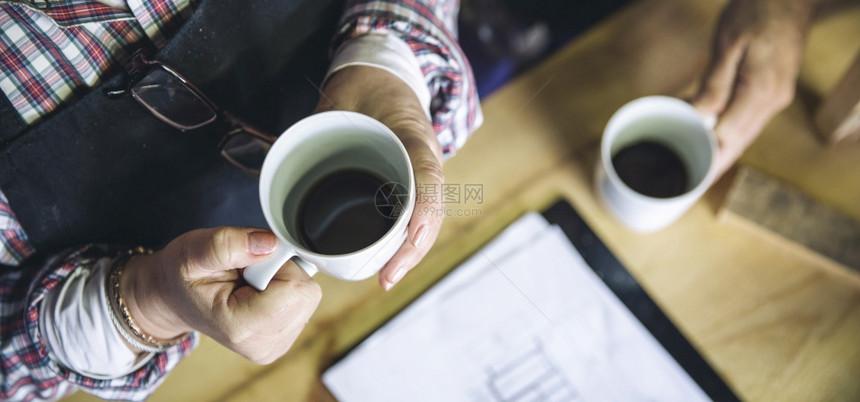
(625, 287)
(604, 265)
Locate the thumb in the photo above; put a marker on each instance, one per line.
(226, 248)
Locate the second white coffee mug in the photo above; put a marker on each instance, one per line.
(672, 123)
(310, 150)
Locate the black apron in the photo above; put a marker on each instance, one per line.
(103, 170)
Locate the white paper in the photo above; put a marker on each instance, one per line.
(524, 319)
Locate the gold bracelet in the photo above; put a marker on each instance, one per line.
(127, 326)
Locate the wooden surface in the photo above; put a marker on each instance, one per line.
(838, 118)
(775, 325)
(799, 223)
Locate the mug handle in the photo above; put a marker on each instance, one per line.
(260, 274)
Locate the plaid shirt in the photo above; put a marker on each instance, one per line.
(50, 56)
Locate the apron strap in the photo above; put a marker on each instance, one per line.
(105, 170)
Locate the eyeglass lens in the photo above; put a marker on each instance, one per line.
(168, 98)
(246, 150)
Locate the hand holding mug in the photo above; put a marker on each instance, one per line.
(338, 188)
(753, 70)
(381, 95)
(195, 283)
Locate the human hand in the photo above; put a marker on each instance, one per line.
(195, 283)
(753, 70)
(381, 95)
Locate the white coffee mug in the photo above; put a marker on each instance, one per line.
(672, 123)
(312, 149)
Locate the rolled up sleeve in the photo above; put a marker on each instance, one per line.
(429, 29)
(29, 372)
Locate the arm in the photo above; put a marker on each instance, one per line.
(34, 369)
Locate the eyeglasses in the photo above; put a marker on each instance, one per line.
(171, 98)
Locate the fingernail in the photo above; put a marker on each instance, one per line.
(421, 236)
(262, 243)
(398, 274)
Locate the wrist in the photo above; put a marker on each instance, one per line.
(142, 289)
(380, 94)
(370, 90)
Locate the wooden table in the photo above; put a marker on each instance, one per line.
(769, 320)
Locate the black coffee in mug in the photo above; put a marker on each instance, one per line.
(339, 215)
(651, 168)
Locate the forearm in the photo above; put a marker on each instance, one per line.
(430, 32)
(74, 327)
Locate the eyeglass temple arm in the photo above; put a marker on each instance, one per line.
(240, 125)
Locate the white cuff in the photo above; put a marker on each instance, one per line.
(118, 4)
(385, 51)
(76, 325)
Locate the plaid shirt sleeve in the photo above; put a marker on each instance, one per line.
(14, 247)
(28, 371)
(429, 27)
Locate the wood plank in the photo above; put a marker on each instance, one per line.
(838, 118)
(795, 221)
